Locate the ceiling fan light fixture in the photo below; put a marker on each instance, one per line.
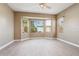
(44, 5)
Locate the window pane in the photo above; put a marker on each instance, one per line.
(37, 26)
(48, 25)
(40, 29)
(48, 29)
(48, 22)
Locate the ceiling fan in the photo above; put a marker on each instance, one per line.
(44, 5)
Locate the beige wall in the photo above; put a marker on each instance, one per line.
(71, 24)
(6, 24)
(17, 21)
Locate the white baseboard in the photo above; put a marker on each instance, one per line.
(22, 39)
(76, 45)
(6, 45)
(33, 38)
(17, 40)
(11, 43)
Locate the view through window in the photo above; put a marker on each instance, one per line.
(37, 26)
(41, 26)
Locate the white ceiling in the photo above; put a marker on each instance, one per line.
(35, 8)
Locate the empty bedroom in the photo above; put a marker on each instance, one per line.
(39, 29)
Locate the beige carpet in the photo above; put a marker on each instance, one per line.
(40, 47)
